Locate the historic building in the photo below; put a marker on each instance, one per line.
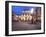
(28, 16)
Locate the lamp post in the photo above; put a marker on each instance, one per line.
(32, 10)
(36, 14)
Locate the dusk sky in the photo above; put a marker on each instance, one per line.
(19, 9)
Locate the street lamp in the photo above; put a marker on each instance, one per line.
(32, 10)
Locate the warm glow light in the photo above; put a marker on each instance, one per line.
(30, 17)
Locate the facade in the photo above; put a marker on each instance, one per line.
(23, 17)
(28, 16)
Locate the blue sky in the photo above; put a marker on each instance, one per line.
(18, 9)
